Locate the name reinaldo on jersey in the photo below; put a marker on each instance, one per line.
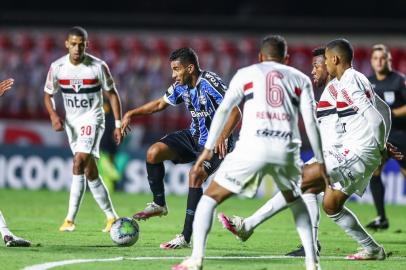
(81, 86)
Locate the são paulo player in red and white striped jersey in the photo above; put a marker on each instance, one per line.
(82, 79)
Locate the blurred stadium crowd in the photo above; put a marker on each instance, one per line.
(139, 64)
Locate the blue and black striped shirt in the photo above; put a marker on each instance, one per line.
(202, 101)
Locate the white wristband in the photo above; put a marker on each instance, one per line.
(118, 123)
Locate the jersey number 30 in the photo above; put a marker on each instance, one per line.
(274, 93)
(85, 130)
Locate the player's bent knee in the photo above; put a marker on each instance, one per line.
(196, 177)
(152, 154)
(79, 163)
(91, 174)
(331, 208)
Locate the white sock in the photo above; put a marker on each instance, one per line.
(202, 225)
(77, 190)
(350, 224)
(304, 228)
(102, 197)
(3, 227)
(276, 204)
(310, 200)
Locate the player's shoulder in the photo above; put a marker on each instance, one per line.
(93, 60)
(295, 73)
(60, 61)
(398, 75)
(212, 79)
(176, 87)
(353, 77)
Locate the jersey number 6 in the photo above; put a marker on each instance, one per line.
(274, 93)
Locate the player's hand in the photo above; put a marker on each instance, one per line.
(118, 136)
(57, 123)
(221, 147)
(125, 124)
(324, 175)
(392, 152)
(204, 156)
(6, 85)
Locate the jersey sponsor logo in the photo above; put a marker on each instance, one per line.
(274, 133)
(273, 116)
(212, 79)
(75, 102)
(199, 114)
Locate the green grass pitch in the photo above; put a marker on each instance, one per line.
(37, 215)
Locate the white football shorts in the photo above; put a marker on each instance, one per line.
(349, 172)
(241, 174)
(85, 137)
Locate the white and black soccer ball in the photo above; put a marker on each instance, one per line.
(125, 232)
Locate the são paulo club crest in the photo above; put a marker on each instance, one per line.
(76, 84)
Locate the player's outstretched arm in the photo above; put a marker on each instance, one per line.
(115, 102)
(233, 120)
(6, 85)
(151, 107)
(57, 122)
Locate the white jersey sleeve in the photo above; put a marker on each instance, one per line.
(107, 82)
(232, 98)
(308, 111)
(385, 111)
(51, 84)
(377, 124)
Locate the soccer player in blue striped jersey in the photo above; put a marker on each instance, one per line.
(202, 92)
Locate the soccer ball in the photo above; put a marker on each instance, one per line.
(125, 232)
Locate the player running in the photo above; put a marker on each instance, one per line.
(268, 146)
(390, 85)
(10, 240)
(81, 78)
(352, 152)
(202, 92)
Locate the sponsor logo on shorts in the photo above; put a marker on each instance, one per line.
(274, 133)
(232, 180)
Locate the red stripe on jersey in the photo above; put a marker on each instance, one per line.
(323, 104)
(248, 86)
(298, 91)
(84, 81)
(341, 104)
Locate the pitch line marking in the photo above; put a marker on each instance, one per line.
(49, 265)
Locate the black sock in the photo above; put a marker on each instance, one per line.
(156, 173)
(378, 194)
(193, 199)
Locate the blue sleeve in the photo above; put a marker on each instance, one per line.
(173, 95)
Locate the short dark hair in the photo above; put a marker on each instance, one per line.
(343, 47)
(78, 31)
(185, 56)
(383, 48)
(319, 51)
(274, 46)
